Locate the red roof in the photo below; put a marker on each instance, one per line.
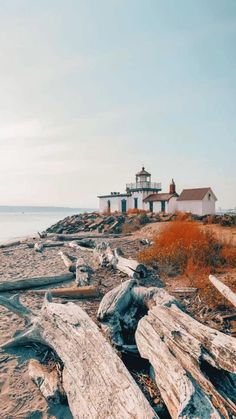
(157, 197)
(196, 194)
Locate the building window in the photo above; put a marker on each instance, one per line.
(209, 196)
(135, 203)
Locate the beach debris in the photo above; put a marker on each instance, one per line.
(67, 261)
(75, 244)
(194, 365)
(38, 247)
(42, 235)
(81, 292)
(25, 283)
(91, 368)
(223, 289)
(84, 273)
(10, 244)
(115, 258)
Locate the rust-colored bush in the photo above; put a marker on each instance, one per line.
(184, 247)
(228, 254)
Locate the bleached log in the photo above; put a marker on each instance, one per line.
(130, 267)
(53, 244)
(75, 245)
(223, 289)
(95, 380)
(83, 273)
(25, 283)
(181, 350)
(10, 244)
(72, 292)
(67, 261)
(42, 235)
(13, 304)
(178, 346)
(104, 254)
(38, 247)
(47, 381)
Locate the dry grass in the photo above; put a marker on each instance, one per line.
(183, 247)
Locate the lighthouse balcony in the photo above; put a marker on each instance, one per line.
(144, 185)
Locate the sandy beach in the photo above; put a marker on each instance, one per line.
(20, 398)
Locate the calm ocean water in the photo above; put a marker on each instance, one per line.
(22, 221)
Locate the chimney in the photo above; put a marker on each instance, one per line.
(172, 187)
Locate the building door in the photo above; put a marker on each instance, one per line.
(123, 205)
(108, 206)
(151, 206)
(163, 206)
(135, 203)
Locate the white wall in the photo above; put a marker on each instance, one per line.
(208, 204)
(115, 203)
(172, 205)
(195, 207)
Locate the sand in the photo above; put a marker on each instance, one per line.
(19, 397)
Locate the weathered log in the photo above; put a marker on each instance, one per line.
(83, 273)
(48, 382)
(53, 244)
(25, 283)
(87, 243)
(96, 382)
(197, 348)
(116, 259)
(42, 235)
(130, 267)
(104, 254)
(10, 244)
(223, 289)
(75, 244)
(13, 304)
(73, 292)
(194, 365)
(67, 261)
(38, 247)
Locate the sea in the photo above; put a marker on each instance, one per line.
(22, 221)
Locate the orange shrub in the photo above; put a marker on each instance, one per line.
(183, 247)
(228, 254)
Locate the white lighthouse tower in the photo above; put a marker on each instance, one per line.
(141, 188)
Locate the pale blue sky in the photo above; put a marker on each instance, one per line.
(92, 89)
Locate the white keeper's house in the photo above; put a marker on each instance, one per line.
(146, 195)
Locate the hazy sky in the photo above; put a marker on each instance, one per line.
(90, 90)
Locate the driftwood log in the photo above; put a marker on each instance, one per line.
(38, 247)
(75, 244)
(26, 283)
(10, 244)
(72, 292)
(194, 365)
(223, 289)
(83, 273)
(95, 380)
(115, 258)
(67, 261)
